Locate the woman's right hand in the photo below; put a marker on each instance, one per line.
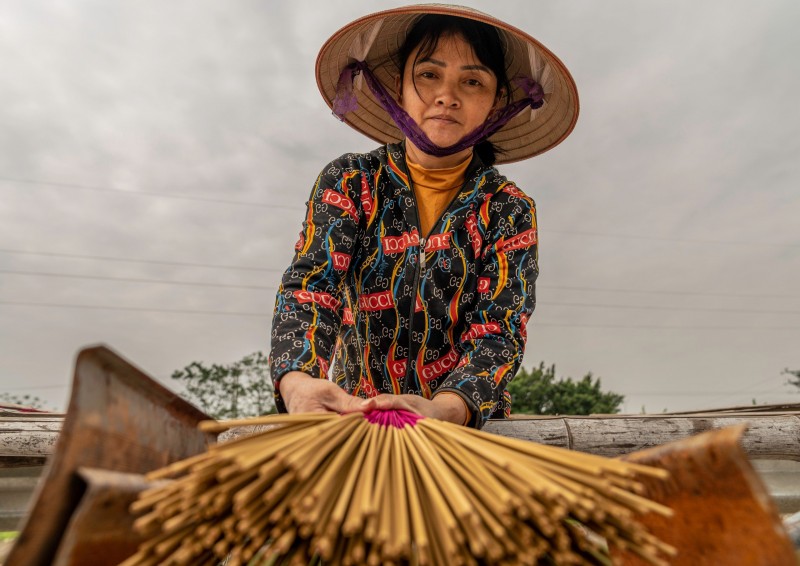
(305, 394)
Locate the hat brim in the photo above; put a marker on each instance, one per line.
(384, 32)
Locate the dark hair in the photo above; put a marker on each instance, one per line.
(485, 42)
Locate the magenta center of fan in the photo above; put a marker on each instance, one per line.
(393, 417)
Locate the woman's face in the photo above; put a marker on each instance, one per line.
(454, 91)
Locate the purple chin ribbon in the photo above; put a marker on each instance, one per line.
(345, 102)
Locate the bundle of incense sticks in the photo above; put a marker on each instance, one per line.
(390, 487)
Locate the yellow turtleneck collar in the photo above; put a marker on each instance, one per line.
(434, 189)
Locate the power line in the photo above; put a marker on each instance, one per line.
(660, 308)
(139, 280)
(269, 315)
(216, 200)
(747, 389)
(654, 292)
(661, 327)
(135, 309)
(270, 287)
(705, 393)
(677, 393)
(179, 196)
(276, 270)
(133, 260)
(679, 240)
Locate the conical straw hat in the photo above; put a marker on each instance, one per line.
(377, 37)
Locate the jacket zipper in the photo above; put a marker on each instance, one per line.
(415, 286)
(418, 273)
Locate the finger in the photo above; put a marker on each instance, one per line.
(342, 402)
(308, 404)
(345, 403)
(370, 405)
(394, 402)
(384, 402)
(308, 408)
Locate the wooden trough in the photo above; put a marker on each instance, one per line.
(122, 423)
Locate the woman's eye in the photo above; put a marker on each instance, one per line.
(427, 75)
(474, 82)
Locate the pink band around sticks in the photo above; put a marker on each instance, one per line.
(397, 418)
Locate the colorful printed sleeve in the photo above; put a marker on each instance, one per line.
(307, 316)
(494, 342)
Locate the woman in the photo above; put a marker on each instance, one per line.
(413, 278)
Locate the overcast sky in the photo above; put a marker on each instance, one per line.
(155, 157)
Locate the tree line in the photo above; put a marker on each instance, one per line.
(244, 389)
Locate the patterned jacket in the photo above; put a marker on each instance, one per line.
(403, 312)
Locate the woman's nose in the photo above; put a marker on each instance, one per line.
(447, 97)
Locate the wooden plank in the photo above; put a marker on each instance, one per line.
(767, 437)
(775, 436)
(15, 421)
(119, 419)
(16, 489)
(721, 512)
(771, 436)
(550, 431)
(28, 437)
(100, 530)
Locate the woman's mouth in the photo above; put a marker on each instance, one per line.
(444, 118)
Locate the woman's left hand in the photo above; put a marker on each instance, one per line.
(444, 406)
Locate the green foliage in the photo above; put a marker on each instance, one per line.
(8, 535)
(795, 379)
(240, 389)
(537, 392)
(25, 400)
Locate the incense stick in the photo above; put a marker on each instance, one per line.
(391, 488)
